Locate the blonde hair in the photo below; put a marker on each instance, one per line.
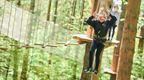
(103, 11)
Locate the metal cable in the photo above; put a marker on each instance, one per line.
(2, 17)
(38, 23)
(21, 25)
(9, 21)
(14, 22)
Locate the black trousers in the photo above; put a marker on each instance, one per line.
(111, 30)
(98, 47)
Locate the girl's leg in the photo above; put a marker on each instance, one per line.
(98, 53)
(91, 53)
(109, 35)
(113, 31)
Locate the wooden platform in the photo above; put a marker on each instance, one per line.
(83, 38)
(139, 37)
(109, 71)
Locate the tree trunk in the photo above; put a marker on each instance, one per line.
(81, 15)
(16, 61)
(48, 19)
(53, 30)
(74, 7)
(27, 51)
(76, 55)
(94, 7)
(55, 13)
(116, 49)
(7, 68)
(25, 65)
(128, 40)
(19, 2)
(82, 9)
(85, 76)
(75, 63)
(49, 10)
(32, 6)
(141, 42)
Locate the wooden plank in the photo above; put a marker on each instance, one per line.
(82, 38)
(139, 37)
(109, 71)
(3, 49)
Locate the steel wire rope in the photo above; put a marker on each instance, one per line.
(3, 17)
(21, 25)
(44, 34)
(46, 27)
(14, 22)
(9, 21)
(33, 40)
(38, 23)
(27, 23)
(35, 33)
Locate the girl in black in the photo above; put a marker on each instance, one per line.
(100, 26)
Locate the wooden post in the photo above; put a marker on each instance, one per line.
(128, 40)
(105, 4)
(85, 76)
(116, 49)
(94, 7)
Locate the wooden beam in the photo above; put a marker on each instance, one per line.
(3, 49)
(46, 45)
(83, 38)
(127, 48)
(140, 37)
(68, 43)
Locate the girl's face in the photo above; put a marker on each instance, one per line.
(101, 18)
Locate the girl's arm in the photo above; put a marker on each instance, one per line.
(91, 21)
(113, 19)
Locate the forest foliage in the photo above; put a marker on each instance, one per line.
(62, 62)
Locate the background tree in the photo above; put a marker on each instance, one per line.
(26, 55)
(127, 47)
(49, 10)
(119, 37)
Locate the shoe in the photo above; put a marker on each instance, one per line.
(87, 70)
(95, 71)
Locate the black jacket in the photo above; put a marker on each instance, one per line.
(100, 29)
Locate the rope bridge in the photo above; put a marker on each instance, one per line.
(16, 23)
